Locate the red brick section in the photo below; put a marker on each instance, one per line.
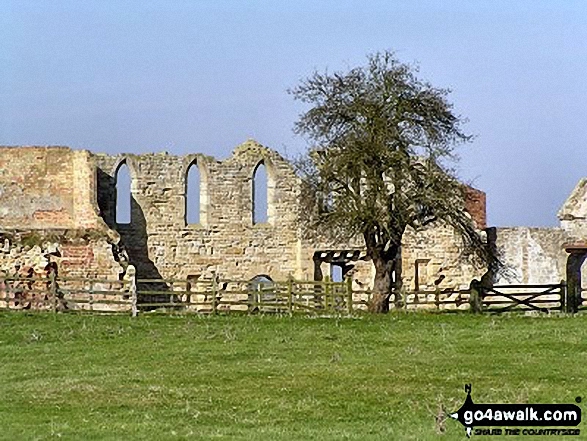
(39, 187)
(475, 204)
(77, 251)
(76, 258)
(49, 217)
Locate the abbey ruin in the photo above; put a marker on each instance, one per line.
(58, 205)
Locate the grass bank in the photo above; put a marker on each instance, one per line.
(267, 378)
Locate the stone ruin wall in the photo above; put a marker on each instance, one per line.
(49, 212)
(434, 255)
(532, 255)
(69, 197)
(537, 255)
(573, 213)
(37, 188)
(160, 243)
(58, 205)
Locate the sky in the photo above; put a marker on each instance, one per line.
(204, 76)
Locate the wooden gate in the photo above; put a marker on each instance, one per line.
(543, 298)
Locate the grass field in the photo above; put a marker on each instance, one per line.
(271, 378)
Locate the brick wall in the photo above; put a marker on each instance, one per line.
(476, 205)
(49, 194)
(36, 187)
(74, 256)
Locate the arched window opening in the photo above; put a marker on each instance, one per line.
(192, 195)
(123, 194)
(260, 194)
(262, 289)
(260, 282)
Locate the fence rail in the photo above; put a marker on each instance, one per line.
(64, 294)
(135, 295)
(542, 298)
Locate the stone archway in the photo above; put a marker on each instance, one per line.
(577, 255)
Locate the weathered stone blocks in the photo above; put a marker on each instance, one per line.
(68, 199)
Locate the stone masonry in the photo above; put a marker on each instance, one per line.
(160, 243)
(537, 255)
(59, 205)
(49, 212)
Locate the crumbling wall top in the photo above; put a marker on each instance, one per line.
(575, 207)
(47, 187)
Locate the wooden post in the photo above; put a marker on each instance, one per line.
(290, 294)
(563, 294)
(475, 297)
(253, 295)
(53, 289)
(132, 288)
(327, 289)
(91, 295)
(7, 292)
(349, 294)
(214, 293)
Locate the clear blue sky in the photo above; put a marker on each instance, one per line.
(203, 76)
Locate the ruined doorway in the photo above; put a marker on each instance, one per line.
(339, 263)
(577, 255)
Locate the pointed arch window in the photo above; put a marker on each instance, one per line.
(193, 200)
(260, 203)
(123, 194)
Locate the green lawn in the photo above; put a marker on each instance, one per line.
(292, 378)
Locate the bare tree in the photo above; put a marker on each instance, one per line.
(381, 141)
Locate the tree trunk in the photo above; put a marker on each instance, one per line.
(383, 284)
(398, 281)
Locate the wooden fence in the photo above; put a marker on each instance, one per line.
(65, 294)
(581, 303)
(216, 295)
(223, 295)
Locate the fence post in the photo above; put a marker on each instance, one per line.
(437, 296)
(214, 293)
(53, 289)
(172, 296)
(132, 288)
(7, 292)
(91, 295)
(290, 294)
(349, 294)
(563, 296)
(475, 296)
(327, 289)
